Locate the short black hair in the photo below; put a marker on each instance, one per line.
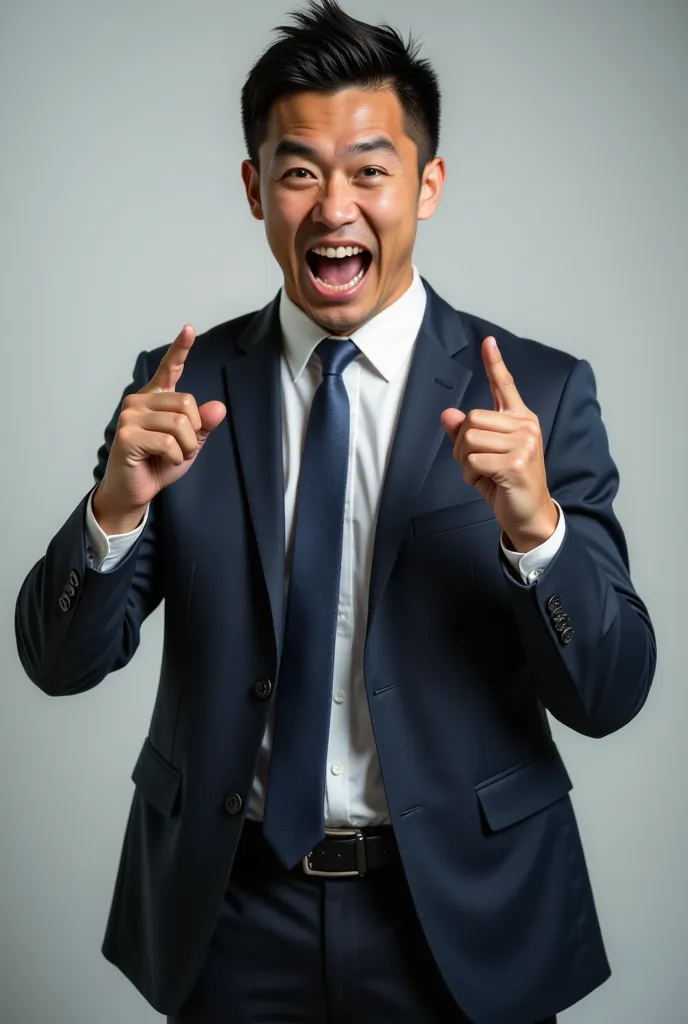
(327, 50)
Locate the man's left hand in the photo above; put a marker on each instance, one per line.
(502, 455)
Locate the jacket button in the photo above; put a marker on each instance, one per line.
(262, 688)
(233, 803)
(554, 604)
(65, 603)
(567, 635)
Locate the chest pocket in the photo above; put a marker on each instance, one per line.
(455, 517)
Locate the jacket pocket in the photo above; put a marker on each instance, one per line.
(468, 513)
(157, 779)
(524, 789)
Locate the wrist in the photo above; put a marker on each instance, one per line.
(112, 519)
(528, 536)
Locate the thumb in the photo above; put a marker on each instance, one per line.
(212, 415)
(452, 420)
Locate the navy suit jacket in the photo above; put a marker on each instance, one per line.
(462, 661)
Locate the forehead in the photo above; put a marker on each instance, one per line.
(334, 120)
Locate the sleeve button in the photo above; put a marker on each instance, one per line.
(567, 635)
(75, 579)
(554, 604)
(65, 603)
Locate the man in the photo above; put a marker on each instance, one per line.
(394, 554)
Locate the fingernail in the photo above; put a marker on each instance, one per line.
(494, 344)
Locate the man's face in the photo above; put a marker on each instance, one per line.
(339, 173)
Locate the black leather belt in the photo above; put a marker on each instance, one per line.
(343, 853)
(349, 852)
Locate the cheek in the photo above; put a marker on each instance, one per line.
(281, 217)
(393, 213)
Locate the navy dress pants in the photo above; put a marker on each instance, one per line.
(291, 948)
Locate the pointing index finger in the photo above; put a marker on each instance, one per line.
(504, 391)
(171, 366)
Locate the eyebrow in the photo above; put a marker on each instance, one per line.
(291, 147)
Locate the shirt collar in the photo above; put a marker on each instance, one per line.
(385, 341)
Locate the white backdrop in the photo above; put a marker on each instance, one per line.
(564, 219)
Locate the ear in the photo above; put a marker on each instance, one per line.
(431, 186)
(251, 180)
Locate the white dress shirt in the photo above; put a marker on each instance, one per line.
(375, 382)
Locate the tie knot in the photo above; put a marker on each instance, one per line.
(335, 355)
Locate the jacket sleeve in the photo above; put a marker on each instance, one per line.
(588, 637)
(73, 624)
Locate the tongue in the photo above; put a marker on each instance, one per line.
(333, 271)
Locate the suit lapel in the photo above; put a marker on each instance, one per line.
(254, 408)
(436, 382)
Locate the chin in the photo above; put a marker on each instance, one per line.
(339, 321)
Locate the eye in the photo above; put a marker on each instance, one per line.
(372, 172)
(297, 172)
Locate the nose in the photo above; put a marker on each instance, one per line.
(335, 205)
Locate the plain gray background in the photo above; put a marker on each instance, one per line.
(123, 217)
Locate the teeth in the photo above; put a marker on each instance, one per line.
(341, 287)
(339, 253)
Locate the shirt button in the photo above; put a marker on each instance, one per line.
(336, 768)
(532, 576)
(339, 697)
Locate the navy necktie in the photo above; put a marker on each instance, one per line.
(294, 805)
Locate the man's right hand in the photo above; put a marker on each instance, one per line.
(159, 434)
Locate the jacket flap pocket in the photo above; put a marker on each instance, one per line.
(523, 790)
(468, 513)
(158, 780)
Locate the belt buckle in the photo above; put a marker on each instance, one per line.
(362, 866)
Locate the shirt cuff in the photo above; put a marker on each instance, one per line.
(532, 564)
(105, 552)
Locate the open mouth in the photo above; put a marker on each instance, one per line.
(338, 270)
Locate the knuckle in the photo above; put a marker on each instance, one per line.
(518, 463)
(180, 420)
(125, 435)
